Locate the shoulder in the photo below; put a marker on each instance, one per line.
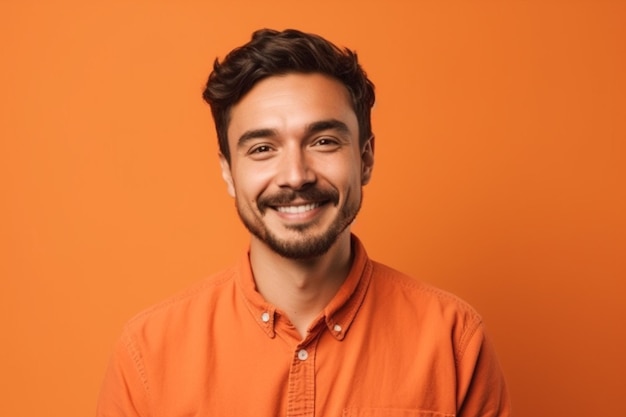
(185, 305)
(423, 304)
(387, 277)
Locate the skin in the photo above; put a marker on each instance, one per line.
(296, 173)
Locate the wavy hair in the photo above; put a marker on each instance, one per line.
(271, 52)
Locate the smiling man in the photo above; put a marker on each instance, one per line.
(306, 324)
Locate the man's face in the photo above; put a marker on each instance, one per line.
(296, 168)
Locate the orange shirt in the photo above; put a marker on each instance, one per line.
(386, 345)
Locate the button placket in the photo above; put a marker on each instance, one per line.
(301, 393)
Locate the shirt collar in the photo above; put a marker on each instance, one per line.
(340, 311)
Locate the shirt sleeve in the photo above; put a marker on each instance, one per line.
(481, 390)
(124, 391)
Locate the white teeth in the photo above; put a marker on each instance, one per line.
(297, 209)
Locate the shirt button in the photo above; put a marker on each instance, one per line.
(303, 354)
(265, 317)
(337, 328)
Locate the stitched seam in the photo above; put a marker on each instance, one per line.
(135, 355)
(466, 336)
(470, 324)
(422, 413)
(210, 282)
(407, 282)
(361, 291)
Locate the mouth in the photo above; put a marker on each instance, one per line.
(298, 209)
(298, 203)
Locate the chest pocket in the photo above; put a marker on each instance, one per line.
(391, 412)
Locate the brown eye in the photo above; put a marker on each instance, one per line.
(260, 149)
(325, 141)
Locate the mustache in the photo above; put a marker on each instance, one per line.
(312, 194)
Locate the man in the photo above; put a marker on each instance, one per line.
(306, 324)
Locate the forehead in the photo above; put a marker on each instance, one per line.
(291, 101)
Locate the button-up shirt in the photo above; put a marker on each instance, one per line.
(385, 345)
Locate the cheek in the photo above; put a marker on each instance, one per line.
(250, 184)
(337, 169)
(344, 174)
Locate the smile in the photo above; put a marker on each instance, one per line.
(297, 209)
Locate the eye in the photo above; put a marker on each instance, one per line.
(327, 142)
(260, 149)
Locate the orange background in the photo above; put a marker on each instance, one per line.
(500, 176)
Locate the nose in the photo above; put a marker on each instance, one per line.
(295, 170)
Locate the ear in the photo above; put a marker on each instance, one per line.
(367, 161)
(227, 175)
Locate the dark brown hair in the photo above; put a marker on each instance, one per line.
(271, 52)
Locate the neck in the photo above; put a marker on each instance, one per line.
(300, 288)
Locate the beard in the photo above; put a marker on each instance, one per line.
(307, 244)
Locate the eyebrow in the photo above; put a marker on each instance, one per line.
(330, 124)
(315, 127)
(255, 134)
